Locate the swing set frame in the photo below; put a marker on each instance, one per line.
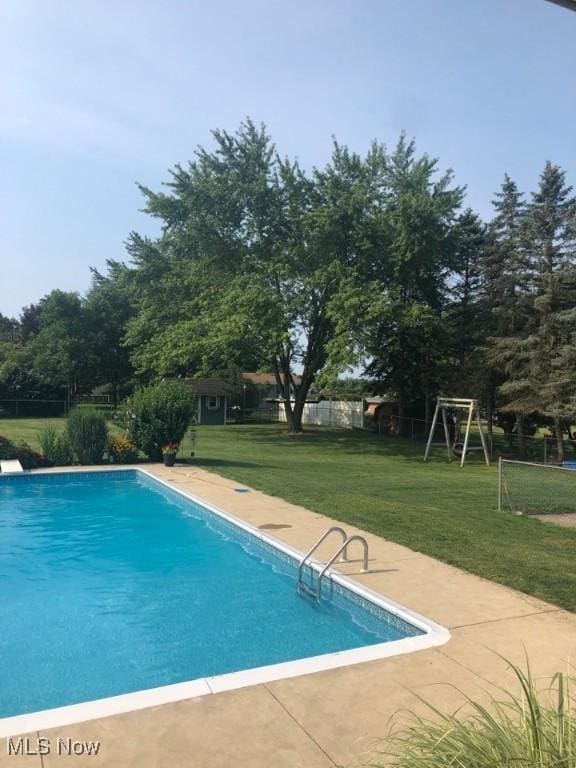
(444, 404)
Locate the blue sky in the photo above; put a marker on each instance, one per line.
(98, 94)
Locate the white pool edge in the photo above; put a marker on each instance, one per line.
(435, 635)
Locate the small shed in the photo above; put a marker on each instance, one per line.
(213, 397)
(383, 411)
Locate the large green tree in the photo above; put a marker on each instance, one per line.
(18, 378)
(407, 334)
(107, 308)
(60, 352)
(255, 265)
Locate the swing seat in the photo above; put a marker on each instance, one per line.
(457, 448)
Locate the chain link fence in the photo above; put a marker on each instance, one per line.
(531, 488)
(50, 409)
(30, 409)
(260, 415)
(536, 448)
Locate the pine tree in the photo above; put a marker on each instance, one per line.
(504, 268)
(466, 312)
(506, 298)
(551, 233)
(539, 358)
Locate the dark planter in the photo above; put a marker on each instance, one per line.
(169, 459)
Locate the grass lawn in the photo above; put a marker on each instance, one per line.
(27, 429)
(383, 486)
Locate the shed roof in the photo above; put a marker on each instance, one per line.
(215, 387)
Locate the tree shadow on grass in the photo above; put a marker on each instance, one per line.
(351, 443)
(355, 442)
(207, 463)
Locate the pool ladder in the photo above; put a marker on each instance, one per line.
(314, 590)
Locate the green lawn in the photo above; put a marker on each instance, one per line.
(27, 429)
(544, 489)
(383, 486)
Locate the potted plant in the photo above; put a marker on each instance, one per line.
(169, 452)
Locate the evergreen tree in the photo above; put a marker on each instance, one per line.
(465, 375)
(538, 360)
(506, 293)
(504, 265)
(29, 321)
(8, 328)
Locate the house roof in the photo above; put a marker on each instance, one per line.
(266, 379)
(381, 400)
(215, 387)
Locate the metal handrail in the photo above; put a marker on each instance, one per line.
(335, 555)
(335, 528)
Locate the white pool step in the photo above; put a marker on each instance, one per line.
(12, 465)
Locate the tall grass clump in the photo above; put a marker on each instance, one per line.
(158, 415)
(533, 729)
(55, 445)
(88, 434)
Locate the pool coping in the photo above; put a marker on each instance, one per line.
(434, 635)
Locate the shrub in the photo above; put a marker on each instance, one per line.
(532, 730)
(23, 453)
(30, 459)
(7, 449)
(157, 415)
(88, 435)
(55, 445)
(121, 449)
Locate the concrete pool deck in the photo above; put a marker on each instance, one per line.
(336, 717)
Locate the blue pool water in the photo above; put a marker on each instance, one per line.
(112, 583)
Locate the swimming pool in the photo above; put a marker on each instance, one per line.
(119, 592)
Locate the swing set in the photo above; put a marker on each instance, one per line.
(455, 445)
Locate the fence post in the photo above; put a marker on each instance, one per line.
(500, 478)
